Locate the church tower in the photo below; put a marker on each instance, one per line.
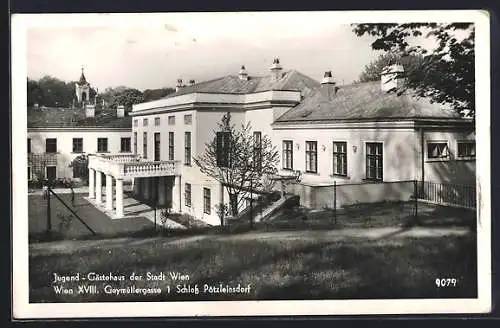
(82, 88)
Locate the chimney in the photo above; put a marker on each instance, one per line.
(276, 69)
(89, 110)
(179, 85)
(392, 77)
(328, 87)
(120, 111)
(243, 75)
(192, 82)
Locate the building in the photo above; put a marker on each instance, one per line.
(169, 132)
(365, 133)
(371, 132)
(57, 135)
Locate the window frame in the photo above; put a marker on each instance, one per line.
(171, 146)
(74, 149)
(287, 153)
(257, 150)
(187, 148)
(28, 145)
(136, 122)
(157, 148)
(188, 121)
(157, 121)
(187, 191)
(135, 142)
(339, 155)
(207, 201)
(222, 141)
(467, 156)
(379, 161)
(171, 120)
(439, 158)
(125, 149)
(99, 141)
(308, 154)
(145, 145)
(145, 121)
(47, 145)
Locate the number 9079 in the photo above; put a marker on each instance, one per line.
(446, 282)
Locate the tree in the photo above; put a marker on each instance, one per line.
(238, 160)
(155, 94)
(80, 165)
(373, 70)
(446, 73)
(122, 96)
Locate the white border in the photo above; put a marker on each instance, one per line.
(23, 310)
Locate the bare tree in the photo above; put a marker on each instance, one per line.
(240, 160)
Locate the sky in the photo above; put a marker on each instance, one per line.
(199, 46)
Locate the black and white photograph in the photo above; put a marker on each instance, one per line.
(251, 163)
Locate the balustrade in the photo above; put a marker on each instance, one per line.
(130, 166)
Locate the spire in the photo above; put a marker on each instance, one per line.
(82, 80)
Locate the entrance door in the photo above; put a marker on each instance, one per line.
(51, 173)
(157, 146)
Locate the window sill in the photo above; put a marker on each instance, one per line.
(103, 152)
(372, 181)
(286, 169)
(77, 152)
(125, 152)
(430, 160)
(338, 176)
(310, 173)
(187, 165)
(467, 159)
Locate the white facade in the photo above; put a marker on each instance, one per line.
(64, 137)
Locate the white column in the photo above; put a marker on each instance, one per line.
(119, 198)
(91, 183)
(98, 187)
(176, 195)
(109, 192)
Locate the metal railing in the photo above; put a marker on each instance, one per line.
(448, 194)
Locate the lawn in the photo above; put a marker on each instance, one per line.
(276, 267)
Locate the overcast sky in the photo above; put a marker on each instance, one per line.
(198, 46)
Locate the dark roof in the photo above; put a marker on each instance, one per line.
(82, 80)
(364, 101)
(66, 117)
(289, 80)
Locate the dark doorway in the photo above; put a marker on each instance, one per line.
(51, 173)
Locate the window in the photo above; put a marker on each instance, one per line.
(157, 146)
(257, 150)
(374, 161)
(187, 148)
(29, 145)
(171, 120)
(340, 158)
(125, 145)
(437, 150)
(206, 201)
(102, 145)
(77, 145)
(51, 145)
(157, 121)
(170, 146)
(312, 156)
(135, 142)
(145, 145)
(29, 172)
(222, 144)
(287, 155)
(188, 119)
(144, 122)
(187, 194)
(136, 123)
(466, 149)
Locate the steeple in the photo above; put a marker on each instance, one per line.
(82, 80)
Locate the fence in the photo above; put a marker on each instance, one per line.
(448, 194)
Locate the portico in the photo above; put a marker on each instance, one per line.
(121, 167)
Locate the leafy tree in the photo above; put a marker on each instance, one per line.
(52, 92)
(81, 165)
(122, 96)
(446, 73)
(373, 70)
(238, 161)
(35, 93)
